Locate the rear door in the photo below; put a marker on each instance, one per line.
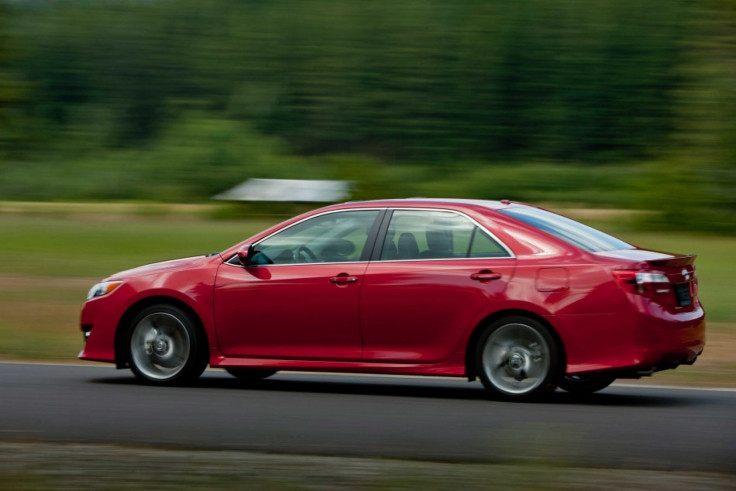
(436, 271)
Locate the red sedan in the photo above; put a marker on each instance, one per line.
(522, 298)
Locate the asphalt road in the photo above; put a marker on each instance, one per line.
(355, 415)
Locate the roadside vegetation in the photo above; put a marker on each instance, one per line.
(73, 466)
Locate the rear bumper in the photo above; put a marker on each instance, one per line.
(631, 344)
(667, 341)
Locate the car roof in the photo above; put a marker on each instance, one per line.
(494, 205)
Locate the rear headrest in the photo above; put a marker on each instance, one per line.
(439, 237)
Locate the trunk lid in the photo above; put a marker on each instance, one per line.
(679, 292)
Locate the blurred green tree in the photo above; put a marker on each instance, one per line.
(428, 87)
(13, 94)
(417, 80)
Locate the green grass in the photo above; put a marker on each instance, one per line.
(47, 264)
(77, 247)
(49, 261)
(94, 247)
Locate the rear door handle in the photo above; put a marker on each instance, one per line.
(343, 279)
(485, 275)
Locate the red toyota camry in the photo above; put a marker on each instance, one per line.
(512, 294)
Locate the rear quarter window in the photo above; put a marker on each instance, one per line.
(574, 233)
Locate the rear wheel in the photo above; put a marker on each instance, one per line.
(585, 384)
(250, 374)
(165, 346)
(517, 358)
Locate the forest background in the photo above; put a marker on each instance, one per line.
(608, 104)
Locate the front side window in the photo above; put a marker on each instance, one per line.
(329, 238)
(420, 234)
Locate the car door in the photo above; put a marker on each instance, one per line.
(299, 298)
(437, 271)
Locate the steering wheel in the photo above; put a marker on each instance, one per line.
(307, 252)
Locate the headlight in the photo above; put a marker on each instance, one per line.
(103, 288)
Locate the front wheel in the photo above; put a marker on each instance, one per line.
(517, 358)
(585, 384)
(165, 346)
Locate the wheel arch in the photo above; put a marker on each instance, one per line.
(121, 331)
(470, 369)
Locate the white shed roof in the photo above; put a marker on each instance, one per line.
(287, 190)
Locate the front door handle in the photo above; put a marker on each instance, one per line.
(485, 275)
(343, 279)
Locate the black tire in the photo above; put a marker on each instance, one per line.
(585, 384)
(250, 374)
(517, 358)
(166, 346)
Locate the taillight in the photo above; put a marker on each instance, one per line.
(647, 283)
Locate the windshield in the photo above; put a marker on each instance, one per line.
(572, 232)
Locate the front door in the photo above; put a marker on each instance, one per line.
(300, 298)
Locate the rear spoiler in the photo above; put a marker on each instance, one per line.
(674, 262)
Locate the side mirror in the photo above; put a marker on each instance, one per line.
(245, 254)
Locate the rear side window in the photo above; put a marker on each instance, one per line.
(572, 232)
(430, 234)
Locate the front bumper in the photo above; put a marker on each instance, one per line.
(98, 331)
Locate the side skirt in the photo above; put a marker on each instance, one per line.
(434, 369)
